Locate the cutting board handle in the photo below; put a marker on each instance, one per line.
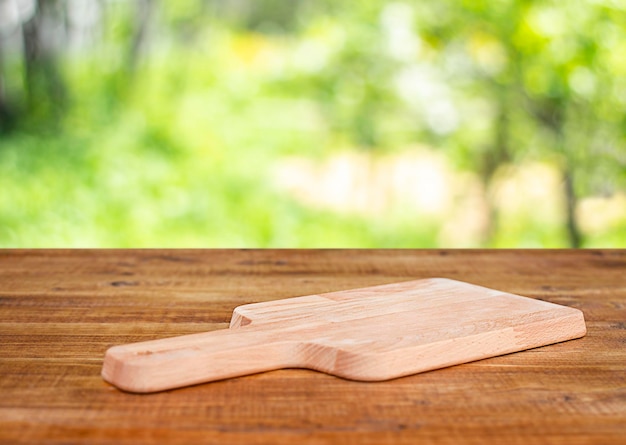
(169, 363)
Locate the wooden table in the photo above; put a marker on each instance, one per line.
(60, 310)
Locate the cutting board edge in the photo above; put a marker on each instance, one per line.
(363, 366)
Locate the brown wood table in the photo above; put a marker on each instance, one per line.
(60, 310)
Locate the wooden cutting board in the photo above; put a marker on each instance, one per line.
(369, 334)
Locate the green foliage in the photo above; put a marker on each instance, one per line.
(171, 134)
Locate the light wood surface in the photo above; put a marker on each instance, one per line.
(368, 334)
(61, 310)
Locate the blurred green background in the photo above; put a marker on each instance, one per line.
(312, 123)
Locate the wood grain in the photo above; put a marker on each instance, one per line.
(60, 311)
(369, 334)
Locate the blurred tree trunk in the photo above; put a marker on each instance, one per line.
(551, 114)
(6, 114)
(573, 230)
(497, 155)
(45, 88)
(144, 11)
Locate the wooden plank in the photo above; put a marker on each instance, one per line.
(61, 310)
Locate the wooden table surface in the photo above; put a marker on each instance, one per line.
(60, 310)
